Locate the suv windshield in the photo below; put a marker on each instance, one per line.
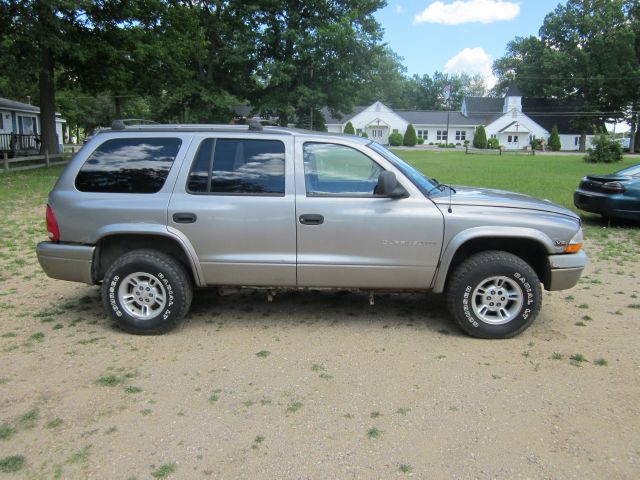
(418, 178)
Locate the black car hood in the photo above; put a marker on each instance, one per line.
(498, 198)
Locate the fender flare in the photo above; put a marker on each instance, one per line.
(484, 232)
(160, 230)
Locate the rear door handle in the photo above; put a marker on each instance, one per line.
(184, 217)
(311, 219)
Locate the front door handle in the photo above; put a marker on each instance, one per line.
(311, 219)
(184, 217)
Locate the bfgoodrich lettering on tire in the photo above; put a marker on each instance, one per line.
(494, 294)
(146, 292)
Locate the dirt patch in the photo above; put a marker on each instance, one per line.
(317, 385)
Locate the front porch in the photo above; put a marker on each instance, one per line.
(19, 144)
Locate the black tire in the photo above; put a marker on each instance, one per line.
(494, 294)
(152, 277)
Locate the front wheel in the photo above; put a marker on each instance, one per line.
(146, 292)
(494, 294)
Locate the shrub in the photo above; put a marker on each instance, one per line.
(536, 144)
(421, 141)
(395, 139)
(604, 150)
(348, 128)
(410, 137)
(554, 139)
(493, 143)
(364, 135)
(480, 137)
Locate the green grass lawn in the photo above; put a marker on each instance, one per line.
(554, 177)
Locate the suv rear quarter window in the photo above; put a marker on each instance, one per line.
(128, 165)
(238, 167)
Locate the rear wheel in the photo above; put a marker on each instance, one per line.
(147, 292)
(494, 294)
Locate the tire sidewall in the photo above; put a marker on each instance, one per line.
(523, 277)
(171, 312)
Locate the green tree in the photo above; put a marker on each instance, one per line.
(572, 59)
(410, 138)
(81, 44)
(313, 54)
(554, 140)
(348, 128)
(480, 137)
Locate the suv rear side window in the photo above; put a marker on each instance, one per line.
(128, 165)
(241, 167)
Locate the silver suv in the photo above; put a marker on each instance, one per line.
(152, 212)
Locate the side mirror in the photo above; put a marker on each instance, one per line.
(388, 186)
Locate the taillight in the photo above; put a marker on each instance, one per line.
(52, 225)
(613, 187)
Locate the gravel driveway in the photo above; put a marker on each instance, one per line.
(316, 385)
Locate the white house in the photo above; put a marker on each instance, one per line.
(512, 120)
(23, 121)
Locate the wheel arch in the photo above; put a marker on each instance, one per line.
(531, 246)
(113, 244)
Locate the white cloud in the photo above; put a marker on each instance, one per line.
(468, 11)
(472, 61)
(401, 9)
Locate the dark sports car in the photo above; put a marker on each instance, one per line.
(615, 195)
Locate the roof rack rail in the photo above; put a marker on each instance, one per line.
(121, 124)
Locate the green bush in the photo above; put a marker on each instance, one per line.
(493, 143)
(554, 140)
(536, 144)
(604, 150)
(364, 135)
(421, 141)
(395, 139)
(480, 137)
(348, 128)
(410, 137)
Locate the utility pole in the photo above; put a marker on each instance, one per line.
(447, 103)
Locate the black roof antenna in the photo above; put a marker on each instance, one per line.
(449, 209)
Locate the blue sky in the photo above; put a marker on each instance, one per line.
(458, 35)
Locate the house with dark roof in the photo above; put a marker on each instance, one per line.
(20, 126)
(514, 121)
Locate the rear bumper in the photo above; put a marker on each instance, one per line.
(565, 270)
(66, 261)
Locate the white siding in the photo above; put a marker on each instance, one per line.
(572, 142)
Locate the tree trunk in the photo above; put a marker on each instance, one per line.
(49, 140)
(634, 133)
(118, 107)
(284, 119)
(583, 142)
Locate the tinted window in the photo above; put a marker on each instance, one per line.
(331, 169)
(238, 167)
(128, 165)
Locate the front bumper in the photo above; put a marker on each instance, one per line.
(70, 262)
(565, 270)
